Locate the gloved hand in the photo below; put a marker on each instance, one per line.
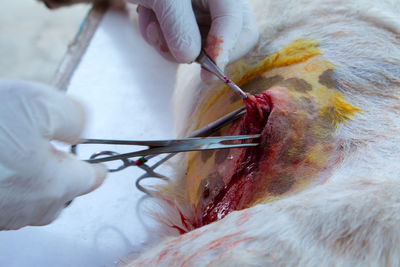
(36, 180)
(175, 27)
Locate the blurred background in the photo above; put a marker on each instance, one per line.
(34, 39)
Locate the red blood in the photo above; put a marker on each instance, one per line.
(164, 48)
(243, 182)
(213, 46)
(227, 80)
(258, 108)
(180, 230)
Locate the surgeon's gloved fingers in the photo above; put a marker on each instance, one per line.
(145, 17)
(69, 176)
(179, 28)
(48, 112)
(64, 119)
(151, 32)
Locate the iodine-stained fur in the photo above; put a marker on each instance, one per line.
(350, 214)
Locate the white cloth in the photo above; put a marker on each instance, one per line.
(36, 180)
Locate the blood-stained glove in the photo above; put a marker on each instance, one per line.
(36, 180)
(176, 27)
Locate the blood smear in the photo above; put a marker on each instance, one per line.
(241, 184)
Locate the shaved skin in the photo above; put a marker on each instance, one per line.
(293, 103)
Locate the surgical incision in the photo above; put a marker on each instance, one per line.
(297, 110)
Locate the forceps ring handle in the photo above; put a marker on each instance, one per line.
(125, 161)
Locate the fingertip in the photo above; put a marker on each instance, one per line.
(187, 54)
(218, 49)
(100, 174)
(179, 28)
(57, 116)
(71, 177)
(153, 33)
(155, 38)
(145, 17)
(184, 48)
(81, 119)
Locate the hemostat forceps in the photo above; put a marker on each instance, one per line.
(207, 63)
(170, 146)
(205, 131)
(196, 141)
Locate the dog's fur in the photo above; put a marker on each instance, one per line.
(352, 219)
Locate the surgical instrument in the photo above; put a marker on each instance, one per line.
(127, 162)
(171, 146)
(206, 62)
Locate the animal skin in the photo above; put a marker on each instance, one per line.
(326, 191)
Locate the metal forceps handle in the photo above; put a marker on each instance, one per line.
(126, 162)
(150, 170)
(207, 63)
(170, 146)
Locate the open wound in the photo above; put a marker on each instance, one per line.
(294, 105)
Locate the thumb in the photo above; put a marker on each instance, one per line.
(63, 177)
(70, 176)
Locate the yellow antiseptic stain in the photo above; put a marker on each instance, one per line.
(318, 110)
(342, 110)
(314, 155)
(298, 51)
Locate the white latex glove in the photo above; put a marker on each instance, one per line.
(36, 180)
(175, 27)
